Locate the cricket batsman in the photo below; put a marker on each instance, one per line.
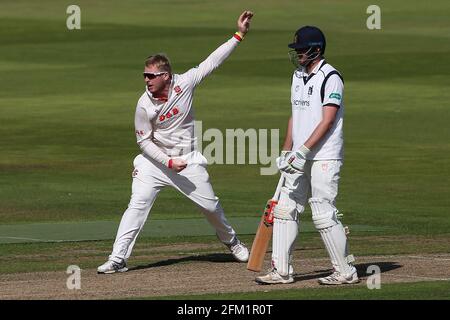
(164, 124)
(311, 160)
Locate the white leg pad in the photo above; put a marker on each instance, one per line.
(285, 212)
(324, 216)
(284, 234)
(336, 244)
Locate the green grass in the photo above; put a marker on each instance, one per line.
(67, 123)
(67, 104)
(100, 230)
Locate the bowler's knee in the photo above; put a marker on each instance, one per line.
(139, 202)
(212, 207)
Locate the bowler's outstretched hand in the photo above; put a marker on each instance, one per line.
(243, 22)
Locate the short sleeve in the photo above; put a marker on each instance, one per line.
(334, 91)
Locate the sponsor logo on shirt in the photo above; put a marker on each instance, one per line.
(140, 132)
(303, 103)
(171, 113)
(310, 90)
(335, 95)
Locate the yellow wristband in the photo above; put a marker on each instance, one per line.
(238, 36)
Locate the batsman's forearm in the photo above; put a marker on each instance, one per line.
(288, 140)
(318, 133)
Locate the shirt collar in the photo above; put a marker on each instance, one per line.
(317, 67)
(152, 97)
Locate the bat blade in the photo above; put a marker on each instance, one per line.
(262, 239)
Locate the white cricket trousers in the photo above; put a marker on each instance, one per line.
(149, 178)
(319, 180)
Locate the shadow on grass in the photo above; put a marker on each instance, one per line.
(362, 268)
(213, 257)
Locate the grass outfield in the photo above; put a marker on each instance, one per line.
(100, 230)
(67, 104)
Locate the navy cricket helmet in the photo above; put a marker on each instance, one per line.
(307, 40)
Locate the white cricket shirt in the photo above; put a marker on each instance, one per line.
(170, 124)
(309, 93)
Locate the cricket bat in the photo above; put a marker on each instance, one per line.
(264, 232)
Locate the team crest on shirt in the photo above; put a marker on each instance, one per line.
(297, 88)
(310, 90)
(177, 90)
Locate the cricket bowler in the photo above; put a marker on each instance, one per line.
(311, 160)
(164, 124)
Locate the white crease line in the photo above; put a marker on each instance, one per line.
(415, 277)
(20, 238)
(386, 273)
(368, 258)
(428, 258)
(40, 240)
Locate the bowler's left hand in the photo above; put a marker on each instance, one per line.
(243, 22)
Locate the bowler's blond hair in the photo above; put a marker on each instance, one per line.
(159, 60)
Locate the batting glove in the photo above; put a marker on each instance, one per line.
(297, 160)
(282, 163)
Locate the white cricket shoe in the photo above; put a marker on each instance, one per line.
(238, 250)
(337, 278)
(273, 277)
(112, 267)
